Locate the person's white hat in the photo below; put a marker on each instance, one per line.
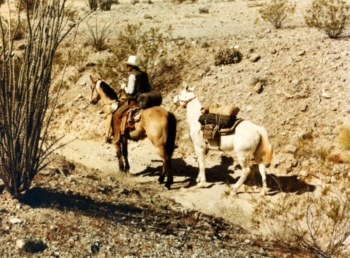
(133, 61)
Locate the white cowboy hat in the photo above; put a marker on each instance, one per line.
(133, 61)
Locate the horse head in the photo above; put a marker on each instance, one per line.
(184, 97)
(95, 85)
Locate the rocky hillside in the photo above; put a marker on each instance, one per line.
(293, 81)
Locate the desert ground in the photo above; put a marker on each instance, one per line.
(81, 206)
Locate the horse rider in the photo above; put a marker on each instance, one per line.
(138, 81)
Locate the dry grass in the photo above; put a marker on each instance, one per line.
(344, 137)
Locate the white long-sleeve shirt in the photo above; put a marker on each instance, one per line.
(130, 88)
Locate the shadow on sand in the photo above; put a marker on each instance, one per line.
(222, 174)
(55, 199)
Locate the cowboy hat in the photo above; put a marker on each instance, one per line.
(133, 61)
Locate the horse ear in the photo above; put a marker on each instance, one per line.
(100, 77)
(192, 89)
(92, 79)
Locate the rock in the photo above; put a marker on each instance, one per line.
(255, 58)
(90, 64)
(83, 106)
(304, 107)
(290, 148)
(258, 87)
(326, 95)
(303, 173)
(347, 109)
(15, 221)
(30, 245)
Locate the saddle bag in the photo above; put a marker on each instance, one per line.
(149, 99)
(210, 131)
(220, 120)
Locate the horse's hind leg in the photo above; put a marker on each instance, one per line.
(166, 168)
(262, 173)
(169, 172)
(245, 165)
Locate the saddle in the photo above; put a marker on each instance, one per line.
(214, 131)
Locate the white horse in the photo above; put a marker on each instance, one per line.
(248, 141)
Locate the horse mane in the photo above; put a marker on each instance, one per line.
(108, 90)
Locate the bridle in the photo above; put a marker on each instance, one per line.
(93, 89)
(184, 101)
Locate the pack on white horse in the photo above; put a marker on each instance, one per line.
(248, 141)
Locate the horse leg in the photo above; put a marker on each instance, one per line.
(245, 165)
(201, 179)
(161, 153)
(169, 172)
(166, 168)
(108, 127)
(259, 160)
(124, 144)
(118, 148)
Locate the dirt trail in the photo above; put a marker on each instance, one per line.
(221, 172)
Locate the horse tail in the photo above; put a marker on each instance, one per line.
(170, 141)
(265, 147)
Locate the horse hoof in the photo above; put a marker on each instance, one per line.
(167, 185)
(234, 192)
(263, 193)
(200, 185)
(161, 179)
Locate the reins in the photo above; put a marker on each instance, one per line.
(186, 101)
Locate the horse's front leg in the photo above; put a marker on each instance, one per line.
(118, 148)
(200, 150)
(108, 127)
(124, 144)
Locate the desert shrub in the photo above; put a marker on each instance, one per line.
(106, 5)
(319, 222)
(93, 4)
(203, 10)
(20, 29)
(344, 137)
(226, 56)
(277, 11)
(150, 45)
(331, 16)
(96, 36)
(24, 97)
(30, 5)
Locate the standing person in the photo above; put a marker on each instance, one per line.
(138, 81)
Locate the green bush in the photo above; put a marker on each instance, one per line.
(277, 11)
(330, 16)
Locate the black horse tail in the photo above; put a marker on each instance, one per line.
(170, 141)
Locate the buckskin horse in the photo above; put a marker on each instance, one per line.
(155, 123)
(249, 140)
